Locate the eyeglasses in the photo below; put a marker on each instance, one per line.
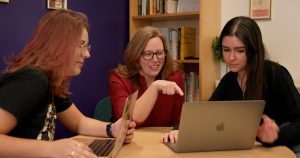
(85, 46)
(160, 54)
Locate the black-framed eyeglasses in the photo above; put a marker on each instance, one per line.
(160, 54)
(85, 46)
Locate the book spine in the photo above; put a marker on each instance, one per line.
(182, 41)
(144, 6)
(178, 42)
(151, 7)
(148, 7)
(174, 44)
(140, 7)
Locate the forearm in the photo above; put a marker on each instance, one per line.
(19, 147)
(92, 127)
(289, 135)
(144, 105)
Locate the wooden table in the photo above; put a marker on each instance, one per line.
(146, 144)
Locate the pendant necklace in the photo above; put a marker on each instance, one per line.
(242, 86)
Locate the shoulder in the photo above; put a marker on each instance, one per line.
(274, 68)
(25, 74)
(116, 78)
(176, 75)
(276, 73)
(113, 74)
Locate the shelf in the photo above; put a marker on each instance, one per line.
(171, 16)
(188, 61)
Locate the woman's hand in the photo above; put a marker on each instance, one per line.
(268, 130)
(70, 148)
(116, 128)
(171, 136)
(168, 87)
(130, 132)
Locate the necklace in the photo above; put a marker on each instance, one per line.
(242, 84)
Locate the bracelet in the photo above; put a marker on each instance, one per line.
(109, 130)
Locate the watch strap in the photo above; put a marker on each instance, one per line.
(109, 130)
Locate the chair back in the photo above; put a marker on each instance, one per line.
(103, 111)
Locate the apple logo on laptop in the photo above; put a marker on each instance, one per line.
(220, 126)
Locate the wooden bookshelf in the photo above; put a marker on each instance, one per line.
(206, 21)
(172, 16)
(188, 61)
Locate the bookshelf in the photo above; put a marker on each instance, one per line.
(207, 23)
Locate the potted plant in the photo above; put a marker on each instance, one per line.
(217, 49)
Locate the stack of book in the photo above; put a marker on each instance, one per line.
(153, 7)
(181, 42)
(191, 83)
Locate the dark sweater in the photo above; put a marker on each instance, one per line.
(281, 96)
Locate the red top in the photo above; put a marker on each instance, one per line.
(167, 108)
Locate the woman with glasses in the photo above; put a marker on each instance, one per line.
(150, 69)
(34, 92)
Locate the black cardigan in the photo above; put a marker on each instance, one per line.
(281, 96)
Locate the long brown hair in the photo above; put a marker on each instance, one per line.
(52, 46)
(134, 50)
(249, 33)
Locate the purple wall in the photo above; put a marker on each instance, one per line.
(108, 37)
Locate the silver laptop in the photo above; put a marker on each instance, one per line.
(218, 125)
(109, 147)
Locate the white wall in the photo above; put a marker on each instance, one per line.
(281, 34)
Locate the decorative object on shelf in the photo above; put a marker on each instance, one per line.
(57, 4)
(6, 1)
(188, 6)
(217, 49)
(171, 6)
(260, 9)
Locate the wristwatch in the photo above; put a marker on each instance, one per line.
(109, 130)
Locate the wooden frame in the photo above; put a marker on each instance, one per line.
(260, 9)
(6, 1)
(57, 4)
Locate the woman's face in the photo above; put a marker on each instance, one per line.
(234, 54)
(81, 53)
(150, 67)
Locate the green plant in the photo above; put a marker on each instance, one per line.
(217, 48)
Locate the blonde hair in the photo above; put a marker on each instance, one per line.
(134, 50)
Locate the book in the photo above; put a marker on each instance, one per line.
(144, 7)
(187, 42)
(188, 6)
(140, 7)
(174, 44)
(169, 33)
(191, 81)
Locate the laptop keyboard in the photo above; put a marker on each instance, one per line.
(102, 147)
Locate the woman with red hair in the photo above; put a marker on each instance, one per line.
(34, 92)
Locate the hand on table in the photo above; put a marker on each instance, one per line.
(71, 149)
(170, 136)
(116, 127)
(268, 130)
